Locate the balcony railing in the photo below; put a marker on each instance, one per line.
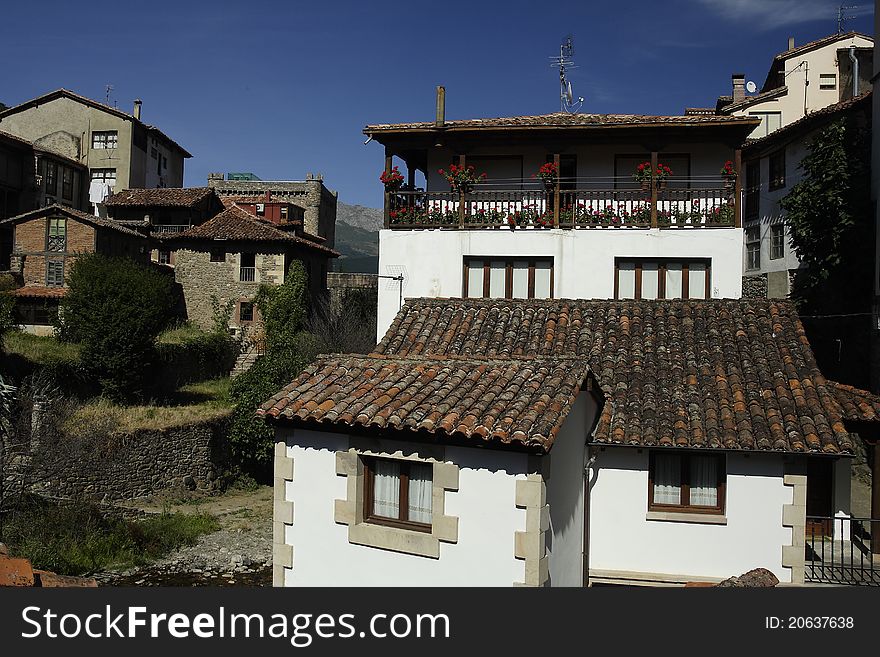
(247, 274)
(165, 229)
(581, 203)
(843, 551)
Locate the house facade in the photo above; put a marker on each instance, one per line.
(771, 170)
(803, 79)
(228, 257)
(46, 243)
(561, 442)
(119, 149)
(594, 231)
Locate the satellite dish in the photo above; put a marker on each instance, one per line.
(568, 94)
(751, 87)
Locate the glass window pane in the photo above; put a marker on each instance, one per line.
(626, 280)
(420, 493)
(520, 279)
(667, 479)
(386, 489)
(542, 279)
(475, 278)
(673, 280)
(704, 480)
(497, 274)
(697, 281)
(650, 280)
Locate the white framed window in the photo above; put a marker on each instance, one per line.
(508, 278)
(770, 121)
(753, 247)
(660, 278)
(777, 241)
(104, 139)
(104, 175)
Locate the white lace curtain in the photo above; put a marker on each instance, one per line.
(704, 481)
(667, 479)
(386, 491)
(420, 493)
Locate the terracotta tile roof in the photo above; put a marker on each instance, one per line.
(858, 405)
(566, 120)
(166, 197)
(722, 374)
(811, 121)
(115, 111)
(779, 60)
(234, 223)
(85, 217)
(37, 292)
(522, 401)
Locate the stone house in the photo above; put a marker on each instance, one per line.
(46, 243)
(565, 442)
(318, 202)
(228, 257)
(119, 149)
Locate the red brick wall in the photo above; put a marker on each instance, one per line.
(30, 236)
(34, 270)
(80, 237)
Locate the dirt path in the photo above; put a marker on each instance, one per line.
(239, 554)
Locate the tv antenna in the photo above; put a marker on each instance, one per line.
(564, 61)
(108, 90)
(842, 17)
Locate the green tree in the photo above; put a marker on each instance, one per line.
(283, 309)
(116, 308)
(830, 222)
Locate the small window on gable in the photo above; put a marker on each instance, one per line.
(398, 493)
(828, 81)
(57, 237)
(218, 255)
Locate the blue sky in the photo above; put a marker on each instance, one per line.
(285, 88)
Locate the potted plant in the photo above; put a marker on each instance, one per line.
(548, 175)
(661, 175)
(462, 178)
(643, 175)
(393, 180)
(728, 173)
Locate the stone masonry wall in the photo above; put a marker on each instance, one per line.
(146, 462)
(339, 283)
(200, 279)
(754, 287)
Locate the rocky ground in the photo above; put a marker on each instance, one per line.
(239, 554)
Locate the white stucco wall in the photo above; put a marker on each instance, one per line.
(622, 539)
(565, 494)
(485, 505)
(431, 261)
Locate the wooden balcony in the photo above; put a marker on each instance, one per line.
(679, 203)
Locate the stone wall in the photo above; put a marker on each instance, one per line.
(339, 283)
(143, 463)
(318, 201)
(754, 287)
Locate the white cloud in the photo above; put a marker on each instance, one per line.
(769, 14)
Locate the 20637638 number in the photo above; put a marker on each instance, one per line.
(809, 623)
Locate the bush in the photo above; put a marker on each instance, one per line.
(77, 539)
(115, 308)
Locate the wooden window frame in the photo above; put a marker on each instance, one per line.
(508, 274)
(749, 243)
(253, 307)
(61, 231)
(402, 521)
(777, 248)
(685, 506)
(777, 182)
(50, 282)
(828, 81)
(67, 183)
(51, 178)
(752, 190)
(661, 276)
(214, 252)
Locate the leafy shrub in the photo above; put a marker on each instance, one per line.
(115, 308)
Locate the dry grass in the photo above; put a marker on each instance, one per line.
(180, 334)
(42, 350)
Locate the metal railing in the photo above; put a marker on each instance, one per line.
(169, 228)
(842, 551)
(580, 203)
(247, 274)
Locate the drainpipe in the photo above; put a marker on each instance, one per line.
(855, 69)
(589, 464)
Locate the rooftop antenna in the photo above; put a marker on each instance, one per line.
(564, 61)
(108, 90)
(842, 17)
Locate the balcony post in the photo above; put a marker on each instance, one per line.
(556, 192)
(737, 189)
(462, 162)
(388, 157)
(875, 503)
(653, 189)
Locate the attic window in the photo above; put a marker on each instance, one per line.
(828, 81)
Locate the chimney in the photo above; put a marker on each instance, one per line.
(137, 109)
(739, 86)
(791, 43)
(441, 107)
